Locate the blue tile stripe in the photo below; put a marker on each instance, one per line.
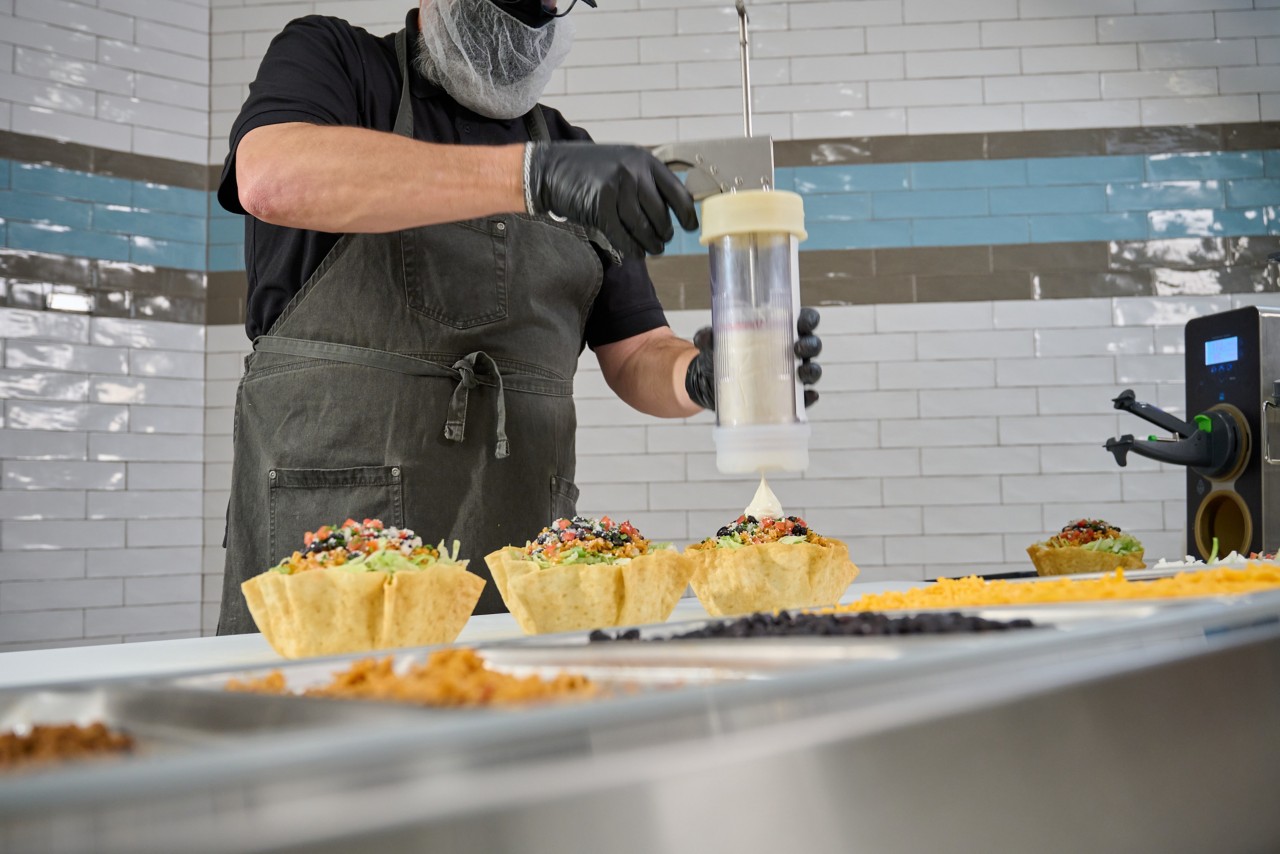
(62, 211)
(1035, 200)
(946, 203)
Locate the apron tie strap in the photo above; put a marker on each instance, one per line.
(456, 425)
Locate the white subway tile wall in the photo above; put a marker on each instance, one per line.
(167, 77)
(129, 75)
(870, 67)
(102, 501)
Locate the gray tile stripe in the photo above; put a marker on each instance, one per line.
(1184, 266)
(34, 280)
(1004, 146)
(104, 161)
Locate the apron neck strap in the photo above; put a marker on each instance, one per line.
(536, 123)
(404, 114)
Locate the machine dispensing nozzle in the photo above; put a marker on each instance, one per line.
(1127, 401)
(1210, 443)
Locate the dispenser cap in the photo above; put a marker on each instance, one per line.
(752, 212)
(758, 448)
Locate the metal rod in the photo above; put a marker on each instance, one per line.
(743, 42)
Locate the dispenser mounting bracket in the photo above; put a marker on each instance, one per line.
(721, 165)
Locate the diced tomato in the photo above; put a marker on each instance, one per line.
(606, 522)
(627, 528)
(308, 538)
(562, 523)
(569, 536)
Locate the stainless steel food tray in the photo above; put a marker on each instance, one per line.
(741, 658)
(616, 674)
(1046, 616)
(164, 721)
(1150, 573)
(766, 657)
(1071, 616)
(627, 666)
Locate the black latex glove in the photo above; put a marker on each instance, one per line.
(622, 190)
(699, 379)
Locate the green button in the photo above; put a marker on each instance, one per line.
(1205, 423)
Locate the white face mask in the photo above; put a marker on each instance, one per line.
(487, 60)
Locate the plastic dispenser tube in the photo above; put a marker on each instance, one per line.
(754, 239)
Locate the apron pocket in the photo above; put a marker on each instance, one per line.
(564, 498)
(456, 274)
(304, 499)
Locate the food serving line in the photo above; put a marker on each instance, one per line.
(1137, 725)
(1134, 725)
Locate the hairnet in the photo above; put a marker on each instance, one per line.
(486, 59)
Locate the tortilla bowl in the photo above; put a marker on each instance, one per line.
(1070, 560)
(573, 597)
(329, 612)
(770, 576)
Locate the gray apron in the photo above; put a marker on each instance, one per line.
(422, 377)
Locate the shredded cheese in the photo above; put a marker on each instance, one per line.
(450, 677)
(971, 591)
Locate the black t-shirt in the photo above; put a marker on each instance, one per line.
(325, 71)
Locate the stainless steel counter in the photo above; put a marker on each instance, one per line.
(158, 658)
(1146, 730)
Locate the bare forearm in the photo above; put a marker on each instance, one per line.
(343, 179)
(647, 372)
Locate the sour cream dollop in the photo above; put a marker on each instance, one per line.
(765, 505)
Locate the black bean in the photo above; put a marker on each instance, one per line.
(865, 624)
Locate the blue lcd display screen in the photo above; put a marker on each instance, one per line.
(1221, 350)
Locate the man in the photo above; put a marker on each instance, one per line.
(425, 263)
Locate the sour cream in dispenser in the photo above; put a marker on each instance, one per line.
(754, 238)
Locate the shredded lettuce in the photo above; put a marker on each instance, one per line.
(579, 555)
(392, 561)
(389, 562)
(575, 555)
(1121, 545)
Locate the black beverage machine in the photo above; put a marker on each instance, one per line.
(1231, 444)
